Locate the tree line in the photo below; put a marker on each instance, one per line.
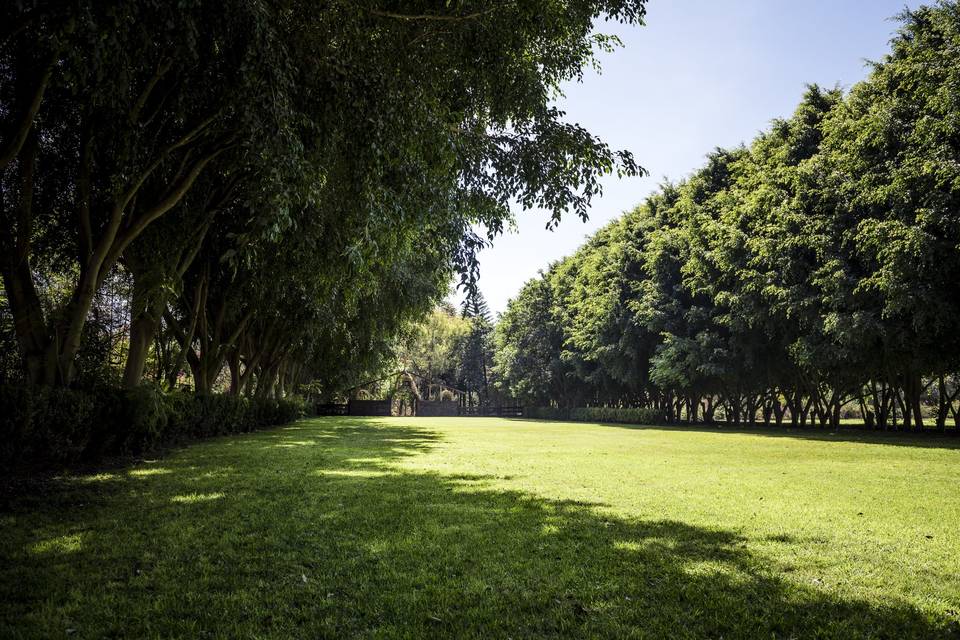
(450, 353)
(810, 274)
(269, 191)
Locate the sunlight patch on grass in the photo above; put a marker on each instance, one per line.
(61, 545)
(627, 545)
(706, 568)
(191, 498)
(378, 546)
(472, 484)
(353, 473)
(363, 461)
(647, 545)
(217, 473)
(290, 444)
(97, 477)
(144, 473)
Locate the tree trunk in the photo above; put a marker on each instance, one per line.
(144, 322)
(835, 415)
(913, 391)
(751, 409)
(779, 411)
(709, 410)
(36, 348)
(767, 410)
(904, 402)
(142, 330)
(34, 337)
(942, 400)
(266, 382)
(233, 361)
(795, 403)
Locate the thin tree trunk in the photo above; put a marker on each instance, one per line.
(144, 322)
(233, 361)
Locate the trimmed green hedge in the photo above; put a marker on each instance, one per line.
(54, 427)
(624, 415)
(546, 413)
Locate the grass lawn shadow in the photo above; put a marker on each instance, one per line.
(926, 440)
(313, 531)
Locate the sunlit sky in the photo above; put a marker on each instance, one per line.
(700, 74)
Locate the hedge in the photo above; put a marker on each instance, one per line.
(55, 427)
(625, 415)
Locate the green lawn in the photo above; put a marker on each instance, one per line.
(414, 527)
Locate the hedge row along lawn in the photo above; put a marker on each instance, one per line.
(475, 527)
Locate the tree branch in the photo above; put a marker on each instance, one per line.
(84, 193)
(167, 202)
(20, 129)
(432, 17)
(137, 107)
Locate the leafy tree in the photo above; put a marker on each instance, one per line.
(891, 154)
(814, 268)
(476, 349)
(430, 348)
(527, 342)
(354, 132)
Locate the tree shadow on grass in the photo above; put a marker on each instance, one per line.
(926, 440)
(311, 532)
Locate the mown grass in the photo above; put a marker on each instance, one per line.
(383, 528)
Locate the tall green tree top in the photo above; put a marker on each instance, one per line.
(364, 126)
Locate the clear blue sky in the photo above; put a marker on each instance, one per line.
(700, 74)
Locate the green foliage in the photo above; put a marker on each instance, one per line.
(526, 339)
(815, 268)
(288, 187)
(546, 413)
(43, 426)
(475, 361)
(431, 347)
(147, 416)
(625, 415)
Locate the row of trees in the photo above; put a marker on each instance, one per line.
(451, 351)
(274, 187)
(814, 272)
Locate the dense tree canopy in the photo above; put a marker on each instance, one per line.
(277, 187)
(815, 269)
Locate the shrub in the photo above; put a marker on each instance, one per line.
(214, 415)
(147, 415)
(53, 427)
(546, 413)
(16, 421)
(290, 409)
(48, 424)
(624, 415)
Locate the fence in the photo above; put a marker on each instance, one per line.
(436, 408)
(501, 411)
(370, 407)
(332, 409)
(424, 408)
